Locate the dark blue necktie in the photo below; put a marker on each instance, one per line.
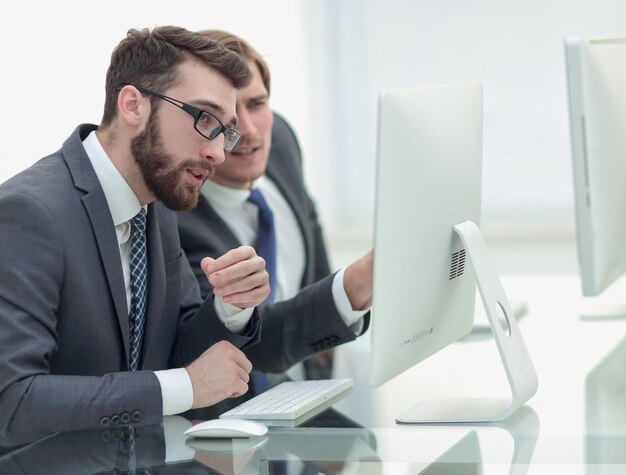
(138, 286)
(266, 239)
(266, 248)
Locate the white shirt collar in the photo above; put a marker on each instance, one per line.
(123, 202)
(220, 195)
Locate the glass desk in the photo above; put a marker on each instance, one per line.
(575, 424)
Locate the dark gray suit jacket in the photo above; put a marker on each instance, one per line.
(307, 323)
(64, 326)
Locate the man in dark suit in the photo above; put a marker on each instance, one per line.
(101, 322)
(268, 158)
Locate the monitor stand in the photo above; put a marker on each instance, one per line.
(481, 322)
(513, 353)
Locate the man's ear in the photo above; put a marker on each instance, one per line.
(133, 108)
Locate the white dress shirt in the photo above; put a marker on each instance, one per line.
(176, 388)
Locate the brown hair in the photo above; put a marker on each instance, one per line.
(149, 58)
(243, 48)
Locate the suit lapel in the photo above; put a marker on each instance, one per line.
(297, 202)
(97, 208)
(106, 238)
(215, 225)
(280, 167)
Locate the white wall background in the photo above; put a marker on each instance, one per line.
(55, 56)
(515, 48)
(329, 59)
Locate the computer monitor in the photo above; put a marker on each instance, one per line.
(596, 80)
(428, 201)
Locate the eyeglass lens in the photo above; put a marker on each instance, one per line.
(211, 127)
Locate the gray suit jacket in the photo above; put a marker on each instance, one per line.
(307, 323)
(64, 327)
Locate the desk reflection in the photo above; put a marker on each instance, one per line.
(330, 443)
(605, 416)
(90, 452)
(465, 456)
(327, 444)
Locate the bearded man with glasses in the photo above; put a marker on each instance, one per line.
(101, 319)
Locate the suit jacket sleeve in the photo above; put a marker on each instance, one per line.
(297, 328)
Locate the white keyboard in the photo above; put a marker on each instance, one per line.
(289, 400)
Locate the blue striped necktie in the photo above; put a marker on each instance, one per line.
(138, 287)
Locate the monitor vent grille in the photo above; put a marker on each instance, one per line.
(457, 264)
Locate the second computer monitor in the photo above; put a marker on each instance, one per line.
(429, 175)
(596, 78)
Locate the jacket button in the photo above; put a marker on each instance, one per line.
(126, 418)
(105, 422)
(137, 416)
(115, 420)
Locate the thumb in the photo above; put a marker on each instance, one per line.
(205, 265)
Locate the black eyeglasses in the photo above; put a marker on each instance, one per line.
(205, 123)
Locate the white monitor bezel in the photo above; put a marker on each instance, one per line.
(596, 85)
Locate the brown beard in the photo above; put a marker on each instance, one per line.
(162, 179)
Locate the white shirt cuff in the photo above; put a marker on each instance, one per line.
(349, 316)
(176, 390)
(233, 317)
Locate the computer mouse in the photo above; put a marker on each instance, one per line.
(227, 428)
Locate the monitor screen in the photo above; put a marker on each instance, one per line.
(596, 80)
(429, 171)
